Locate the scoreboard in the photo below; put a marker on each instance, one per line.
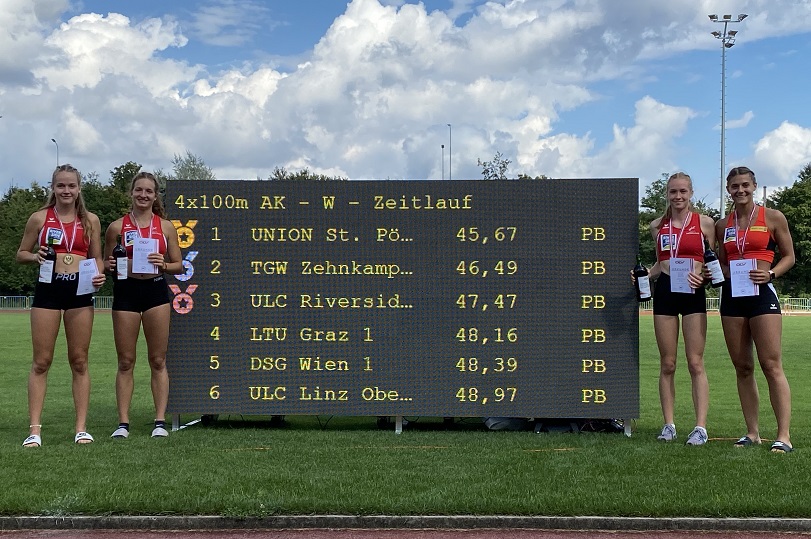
(390, 298)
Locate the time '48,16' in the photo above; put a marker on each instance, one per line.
(498, 335)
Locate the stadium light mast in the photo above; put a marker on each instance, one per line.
(443, 161)
(450, 152)
(57, 151)
(727, 38)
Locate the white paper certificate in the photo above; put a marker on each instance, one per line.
(680, 268)
(141, 249)
(742, 285)
(87, 270)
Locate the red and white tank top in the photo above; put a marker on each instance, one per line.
(68, 238)
(756, 242)
(130, 231)
(686, 242)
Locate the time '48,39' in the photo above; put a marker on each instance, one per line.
(483, 366)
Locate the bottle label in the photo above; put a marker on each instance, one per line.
(121, 268)
(715, 272)
(644, 287)
(46, 271)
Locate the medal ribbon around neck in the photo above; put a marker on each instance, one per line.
(740, 243)
(675, 248)
(138, 226)
(68, 258)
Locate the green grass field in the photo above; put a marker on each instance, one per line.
(318, 465)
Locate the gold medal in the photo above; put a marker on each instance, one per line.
(68, 259)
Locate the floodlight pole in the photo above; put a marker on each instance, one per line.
(57, 151)
(450, 152)
(443, 161)
(727, 38)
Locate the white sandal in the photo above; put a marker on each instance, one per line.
(33, 440)
(83, 438)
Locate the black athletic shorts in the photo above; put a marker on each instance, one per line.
(670, 303)
(60, 293)
(765, 302)
(140, 295)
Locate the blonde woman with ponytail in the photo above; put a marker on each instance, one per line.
(75, 235)
(679, 236)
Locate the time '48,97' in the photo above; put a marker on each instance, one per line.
(499, 394)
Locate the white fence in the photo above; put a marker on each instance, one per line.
(787, 305)
(24, 302)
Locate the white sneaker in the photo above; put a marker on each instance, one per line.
(697, 437)
(159, 432)
(668, 433)
(120, 432)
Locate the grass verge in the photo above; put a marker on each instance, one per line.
(345, 465)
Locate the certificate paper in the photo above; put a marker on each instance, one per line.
(680, 268)
(87, 270)
(742, 285)
(141, 248)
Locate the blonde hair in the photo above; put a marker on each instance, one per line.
(157, 205)
(668, 210)
(81, 209)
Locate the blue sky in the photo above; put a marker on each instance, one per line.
(367, 88)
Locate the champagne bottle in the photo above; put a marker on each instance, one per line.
(712, 263)
(120, 255)
(46, 269)
(642, 281)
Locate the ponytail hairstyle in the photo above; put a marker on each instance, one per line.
(157, 205)
(668, 210)
(81, 209)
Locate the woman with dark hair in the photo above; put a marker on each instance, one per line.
(750, 309)
(142, 298)
(679, 291)
(75, 235)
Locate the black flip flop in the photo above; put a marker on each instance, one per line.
(745, 441)
(781, 447)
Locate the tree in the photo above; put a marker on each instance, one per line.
(190, 167)
(653, 205)
(16, 207)
(495, 169)
(795, 203)
(282, 174)
(109, 201)
(121, 176)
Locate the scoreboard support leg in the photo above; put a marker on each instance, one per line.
(176, 426)
(398, 424)
(627, 431)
